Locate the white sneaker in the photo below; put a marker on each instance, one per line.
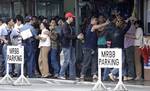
(82, 78)
(95, 78)
(125, 78)
(111, 77)
(62, 78)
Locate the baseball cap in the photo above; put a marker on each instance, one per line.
(69, 14)
(28, 18)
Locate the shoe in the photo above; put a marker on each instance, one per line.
(15, 74)
(56, 76)
(130, 78)
(46, 76)
(61, 77)
(111, 77)
(138, 78)
(125, 78)
(95, 78)
(82, 78)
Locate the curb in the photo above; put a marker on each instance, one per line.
(87, 83)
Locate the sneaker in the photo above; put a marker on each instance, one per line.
(138, 78)
(46, 76)
(111, 77)
(130, 78)
(125, 78)
(56, 76)
(82, 78)
(61, 77)
(95, 78)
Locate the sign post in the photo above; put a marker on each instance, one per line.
(7, 79)
(15, 55)
(109, 58)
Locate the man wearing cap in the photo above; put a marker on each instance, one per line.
(68, 47)
(29, 46)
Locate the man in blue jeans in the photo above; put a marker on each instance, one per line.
(68, 47)
(118, 42)
(3, 34)
(29, 47)
(54, 48)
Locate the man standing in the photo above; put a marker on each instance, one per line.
(68, 47)
(129, 50)
(29, 46)
(3, 33)
(90, 51)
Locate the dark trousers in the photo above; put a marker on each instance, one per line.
(129, 58)
(90, 57)
(54, 61)
(29, 58)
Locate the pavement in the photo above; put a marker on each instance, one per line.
(43, 84)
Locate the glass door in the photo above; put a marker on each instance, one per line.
(147, 16)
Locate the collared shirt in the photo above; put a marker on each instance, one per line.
(139, 37)
(15, 35)
(90, 38)
(130, 41)
(3, 30)
(44, 42)
(3, 33)
(54, 39)
(18, 26)
(29, 26)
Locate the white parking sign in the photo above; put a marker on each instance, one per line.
(15, 54)
(109, 58)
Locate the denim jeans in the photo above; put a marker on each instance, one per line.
(29, 51)
(90, 57)
(115, 71)
(4, 53)
(69, 60)
(54, 61)
(105, 73)
(129, 57)
(2, 63)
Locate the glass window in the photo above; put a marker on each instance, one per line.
(48, 8)
(4, 10)
(41, 9)
(147, 16)
(18, 8)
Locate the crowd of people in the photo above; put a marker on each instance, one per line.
(52, 37)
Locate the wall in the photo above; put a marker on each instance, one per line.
(69, 5)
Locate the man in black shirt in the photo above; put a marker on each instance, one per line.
(68, 46)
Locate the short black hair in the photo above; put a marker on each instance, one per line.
(1, 20)
(8, 20)
(45, 25)
(94, 17)
(19, 18)
(112, 17)
(139, 22)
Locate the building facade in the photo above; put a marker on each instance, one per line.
(11, 8)
(49, 8)
(147, 16)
